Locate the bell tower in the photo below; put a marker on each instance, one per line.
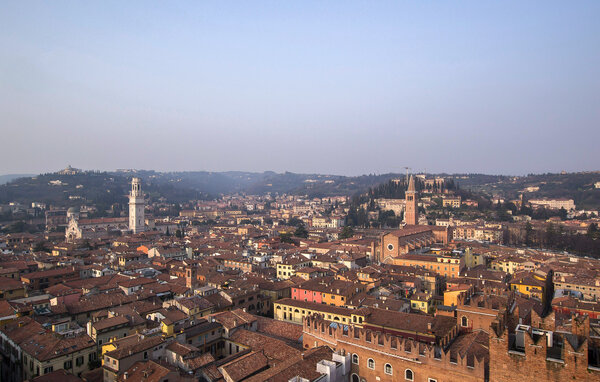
(411, 213)
(136, 206)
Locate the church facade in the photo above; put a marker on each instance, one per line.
(78, 229)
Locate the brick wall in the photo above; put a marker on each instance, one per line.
(424, 361)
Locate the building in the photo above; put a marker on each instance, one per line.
(438, 353)
(555, 204)
(451, 201)
(136, 206)
(45, 352)
(327, 290)
(447, 265)
(93, 228)
(528, 353)
(409, 238)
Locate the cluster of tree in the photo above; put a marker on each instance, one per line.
(21, 226)
(347, 232)
(555, 237)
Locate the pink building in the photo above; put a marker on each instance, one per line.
(306, 295)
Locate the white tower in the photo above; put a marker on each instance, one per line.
(136, 206)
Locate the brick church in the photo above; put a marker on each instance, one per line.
(411, 236)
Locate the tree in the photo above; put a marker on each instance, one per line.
(592, 231)
(295, 222)
(562, 213)
(528, 233)
(178, 234)
(346, 233)
(286, 238)
(301, 232)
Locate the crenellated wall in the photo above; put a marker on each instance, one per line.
(425, 361)
(567, 360)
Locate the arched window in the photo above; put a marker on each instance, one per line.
(464, 321)
(408, 375)
(371, 363)
(388, 369)
(355, 359)
(355, 378)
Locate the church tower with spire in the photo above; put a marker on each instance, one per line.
(411, 213)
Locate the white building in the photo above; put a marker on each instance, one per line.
(567, 204)
(136, 206)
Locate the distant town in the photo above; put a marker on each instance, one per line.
(142, 276)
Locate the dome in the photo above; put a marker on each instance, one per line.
(73, 210)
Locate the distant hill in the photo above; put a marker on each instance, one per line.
(578, 186)
(8, 177)
(106, 188)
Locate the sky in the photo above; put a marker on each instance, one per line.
(336, 87)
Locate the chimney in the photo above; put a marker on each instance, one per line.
(125, 375)
(429, 326)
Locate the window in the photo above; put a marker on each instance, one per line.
(388, 369)
(408, 375)
(145, 355)
(79, 361)
(464, 321)
(355, 359)
(371, 363)
(48, 369)
(390, 247)
(431, 380)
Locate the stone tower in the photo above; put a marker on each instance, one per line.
(190, 277)
(136, 206)
(411, 214)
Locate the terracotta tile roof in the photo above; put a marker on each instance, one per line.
(110, 323)
(233, 319)
(200, 361)
(304, 366)
(149, 371)
(287, 331)
(245, 366)
(48, 346)
(183, 350)
(471, 345)
(411, 322)
(140, 345)
(273, 349)
(57, 376)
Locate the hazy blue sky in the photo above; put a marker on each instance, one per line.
(332, 87)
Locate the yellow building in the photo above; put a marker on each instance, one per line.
(422, 302)
(11, 289)
(287, 268)
(452, 202)
(530, 284)
(295, 310)
(473, 259)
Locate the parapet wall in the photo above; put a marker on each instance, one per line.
(383, 347)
